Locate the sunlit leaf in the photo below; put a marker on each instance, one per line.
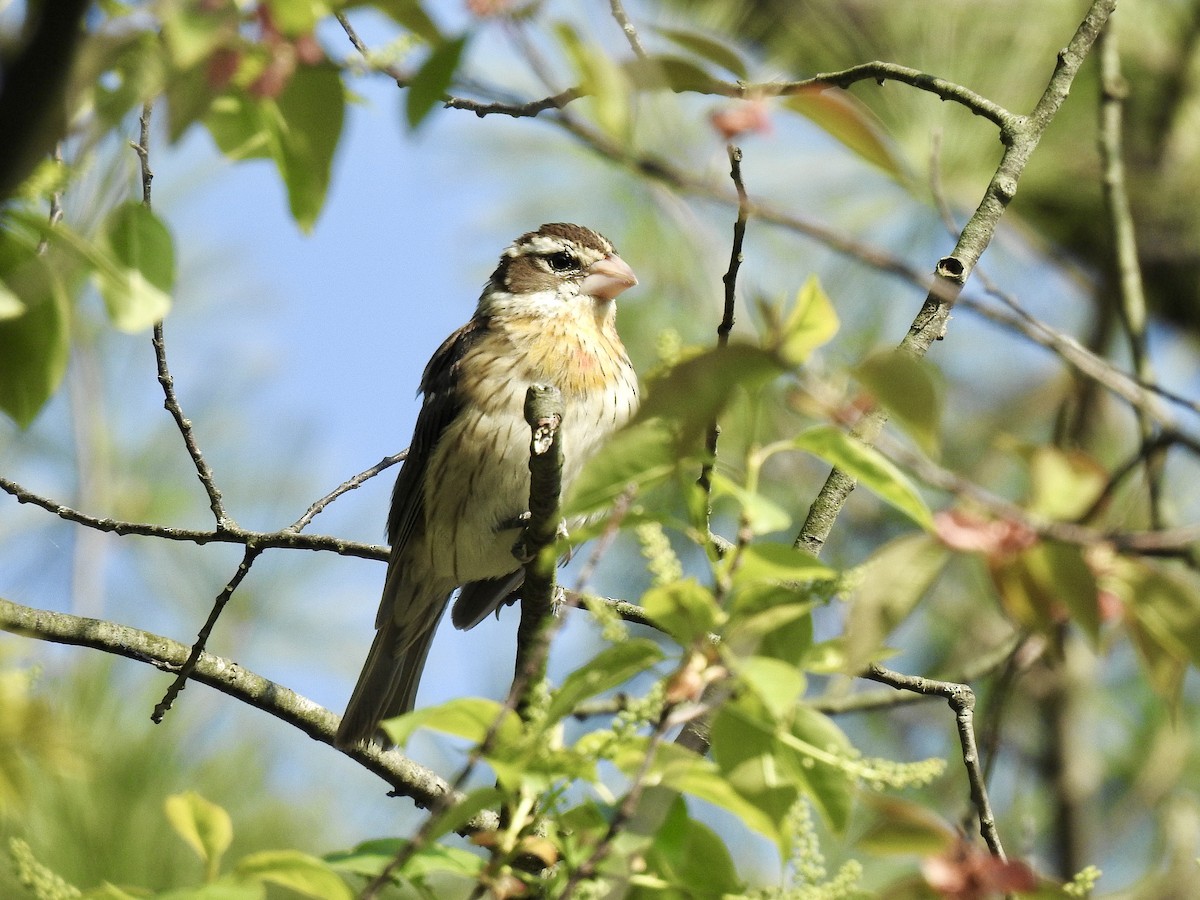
(1064, 484)
(238, 127)
(813, 737)
(776, 563)
(686, 609)
(192, 31)
(1044, 583)
(849, 122)
(296, 17)
(204, 826)
(707, 48)
(639, 456)
(690, 857)
(1165, 613)
(811, 322)
(298, 872)
(869, 467)
(428, 86)
(137, 285)
(609, 668)
(907, 388)
(778, 684)
(370, 857)
(466, 717)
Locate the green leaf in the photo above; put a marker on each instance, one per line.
(690, 857)
(639, 455)
(671, 73)
(412, 16)
(467, 717)
(1164, 602)
(907, 388)
(848, 121)
(304, 126)
(707, 48)
(693, 393)
(296, 17)
(685, 609)
(762, 515)
(34, 344)
(866, 464)
(819, 746)
(609, 668)
(776, 683)
(602, 81)
(428, 86)
(810, 323)
(204, 826)
(370, 857)
(682, 770)
(222, 889)
(238, 127)
(296, 871)
(767, 561)
(893, 581)
(1043, 583)
(137, 286)
(901, 826)
(1064, 484)
(191, 32)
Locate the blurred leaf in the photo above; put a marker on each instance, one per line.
(693, 393)
(657, 72)
(137, 286)
(903, 827)
(1042, 584)
(828, 785)
(690, 857)
(778, 684)
(762, 515)
(893, 581)
(849, 122)
(204, 826)
(684, 771)
(600, 79)
(193, 31)
(238, 128)
(467, 717)
(475, 802)
(296, 871)
(412, 16)
(609, 668)
(767, 561)
(811, 322)
(369, 858)
(305, 125)
(749, 632)
(685, 609)
(1165, 619)
(34, 344)
(907, 388)
(869, 467)
(428, 86)
(746, 750)
(707, 48)
(640, 455)
(296, 17)
(1064, 484)
(189, 99)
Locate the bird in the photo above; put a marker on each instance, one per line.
(546, 315)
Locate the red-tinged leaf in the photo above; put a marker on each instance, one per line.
(848, 121)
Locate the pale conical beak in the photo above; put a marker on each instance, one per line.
(607, 277)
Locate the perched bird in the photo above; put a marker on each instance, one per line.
(546, 315)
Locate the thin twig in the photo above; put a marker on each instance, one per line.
(405, 777)
(631, 35)
(252, 553)
(346, 486)
(1131, 296)
(962, 700)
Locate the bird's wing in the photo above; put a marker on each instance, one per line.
(442, 403)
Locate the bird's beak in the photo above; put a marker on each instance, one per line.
(606, 278)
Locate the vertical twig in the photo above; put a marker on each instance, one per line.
(729, 279)
(631, 35)
(1131, 296)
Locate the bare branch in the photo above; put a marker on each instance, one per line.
(405, 777)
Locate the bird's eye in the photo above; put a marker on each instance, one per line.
(562, 261)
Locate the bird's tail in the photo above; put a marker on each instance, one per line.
(387, 686)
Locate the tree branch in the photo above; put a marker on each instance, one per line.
(405, 777)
